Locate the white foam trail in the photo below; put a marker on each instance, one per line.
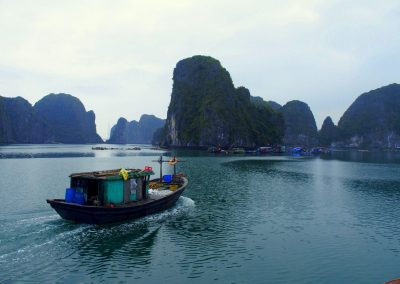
(32, 247)
(186, 201)
(182, 207)
(41, 219)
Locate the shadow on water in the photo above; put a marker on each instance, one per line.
(245, 165)
(375, 187)
(269, 168)
(116, 249)
(104, 241)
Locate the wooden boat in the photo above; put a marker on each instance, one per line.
(117, 195)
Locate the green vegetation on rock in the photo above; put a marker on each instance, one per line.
(300, 126)
(329, 132)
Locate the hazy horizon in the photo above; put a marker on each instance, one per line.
(117, 57)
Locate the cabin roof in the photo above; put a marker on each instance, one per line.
(111, 174)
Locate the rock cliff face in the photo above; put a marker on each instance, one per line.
(206, 109)
(373, 120)
(158, 136)
(148, 124)
(68, 120)
(119, 132)
(329, 133)
(300, 126)
(20, 123)
(134, 132)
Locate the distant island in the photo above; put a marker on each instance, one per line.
(206, 109)
(373, 120)
(135, 132)
(56, 118)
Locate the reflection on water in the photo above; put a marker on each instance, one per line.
(364, 156)
(242, 219)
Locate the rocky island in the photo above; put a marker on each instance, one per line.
(56, 118)
(373, 119)
(135, 132)
(206, 109)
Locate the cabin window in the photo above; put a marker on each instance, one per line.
(91, 190)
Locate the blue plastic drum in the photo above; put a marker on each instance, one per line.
(69, 194)
(79, 198)
(167, 178)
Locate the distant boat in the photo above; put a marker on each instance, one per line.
(299, 151)
(116, 195)
(279, 149)
(134, 148)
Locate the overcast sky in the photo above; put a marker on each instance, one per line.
(117, 57)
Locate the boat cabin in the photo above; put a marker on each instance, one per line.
(109, 188)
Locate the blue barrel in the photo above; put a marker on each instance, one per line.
(167, 178)
(79, 198)
(69, 194)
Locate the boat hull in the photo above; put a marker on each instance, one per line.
(101, 215)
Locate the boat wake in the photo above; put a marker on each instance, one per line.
(49, 234)
(182, 207)
(38, 220)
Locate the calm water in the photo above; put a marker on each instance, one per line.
(242, 219)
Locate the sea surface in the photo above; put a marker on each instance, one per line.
(242, 219)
